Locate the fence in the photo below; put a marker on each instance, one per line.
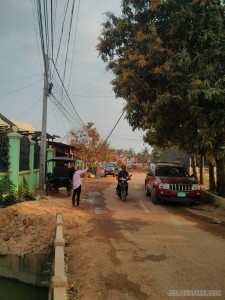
(23, 160)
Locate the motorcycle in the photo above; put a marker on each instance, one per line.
(122, 188)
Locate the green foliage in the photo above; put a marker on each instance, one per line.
(9, 195)
(4, 150)
(7, 192)
(23, 192)
(168, 58)
(170, 155)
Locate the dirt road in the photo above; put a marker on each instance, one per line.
(124, 250)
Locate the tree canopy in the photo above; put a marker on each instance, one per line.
(168, 58)
(90, 147)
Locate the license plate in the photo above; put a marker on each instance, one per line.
(181, 194)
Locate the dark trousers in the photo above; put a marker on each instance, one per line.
(76, 192)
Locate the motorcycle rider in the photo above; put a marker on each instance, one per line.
(123, 174)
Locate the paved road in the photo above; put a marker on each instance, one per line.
(138, 250)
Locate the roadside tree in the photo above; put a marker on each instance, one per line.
(168, 58)
(90, 147)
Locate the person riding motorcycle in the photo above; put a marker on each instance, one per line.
(122, 174)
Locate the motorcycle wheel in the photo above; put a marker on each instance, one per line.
(123, 195)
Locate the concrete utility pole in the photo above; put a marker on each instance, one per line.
(42, 166)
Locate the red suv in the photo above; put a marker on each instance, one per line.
(171, 182)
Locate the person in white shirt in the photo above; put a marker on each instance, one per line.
(77, 183)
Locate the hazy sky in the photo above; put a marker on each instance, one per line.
(86, 80)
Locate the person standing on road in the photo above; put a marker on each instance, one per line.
(77, 183)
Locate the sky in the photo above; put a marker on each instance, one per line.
(88, 94)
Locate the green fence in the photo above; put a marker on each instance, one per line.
(16, 176)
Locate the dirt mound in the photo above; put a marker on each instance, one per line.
(26, 227)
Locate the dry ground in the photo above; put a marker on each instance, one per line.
(30, 227)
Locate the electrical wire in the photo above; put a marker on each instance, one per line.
(18, 79)
(44, 36)
(57, 94)
(105, 141)
(52, 34)
(58, 116)
(67, 93)
(67, 114)
(68, 41)
(46, 27)
(66, 51)
(115, 125)
(20, 89)
(41, 32)
(36, 33)
(62, 29)
(74, 43)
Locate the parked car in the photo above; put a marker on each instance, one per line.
(110, 168)
(100, 171)
(171, 182)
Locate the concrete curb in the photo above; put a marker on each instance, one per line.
(59, 280)
(208, 197)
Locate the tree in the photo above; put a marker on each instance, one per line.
(144, 156)
(168, 58)
(90, 147)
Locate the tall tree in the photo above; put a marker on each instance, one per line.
(168, 58)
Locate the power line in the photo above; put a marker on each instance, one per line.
(68, 41)
(17, 90)
(67, 114)
(57, 113)
(18, 79)
(62, 29)
(41, 32)
(36, 33)
(46, 27)
(115, 125)
(67, 93)
(105, 141)
(59, 103)
(75, 37)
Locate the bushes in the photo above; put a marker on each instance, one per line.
(23, 191)
(9, 195)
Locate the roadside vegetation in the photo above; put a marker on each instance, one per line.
(9, 195)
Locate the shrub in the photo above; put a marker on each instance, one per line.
(7, 192)
(8, 195)
(23, 193)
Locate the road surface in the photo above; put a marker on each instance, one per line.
(137, 250)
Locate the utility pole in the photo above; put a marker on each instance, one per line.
(42, 167)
